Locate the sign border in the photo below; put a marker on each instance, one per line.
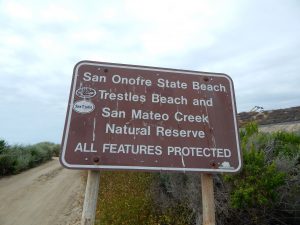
(143, 168)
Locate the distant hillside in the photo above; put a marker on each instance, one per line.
(271, 116)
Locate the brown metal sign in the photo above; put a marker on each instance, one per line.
(145, 118)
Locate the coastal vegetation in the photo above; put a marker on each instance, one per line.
(266, 190)
(17, 158)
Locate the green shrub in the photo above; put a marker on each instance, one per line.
(7, 164)
(257, 185)
(248, 130)
(3, 146)
(22, 162)
(286, 144)
(267, 188)
(14, 159)
(56, 150)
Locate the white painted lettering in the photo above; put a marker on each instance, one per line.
(198, 152)
(150, 115)
(138, 81)
(87, 76)
(164, 132)
(157, 98)
(208, 87)
(203, 102)
(107, 112)
(180, 117)
(132, 149)
(127, 96)
(164, 83)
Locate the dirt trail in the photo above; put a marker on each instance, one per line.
(48, 194)
(289, 126)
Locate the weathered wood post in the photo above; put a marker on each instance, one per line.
(90, 198)
(208, 204)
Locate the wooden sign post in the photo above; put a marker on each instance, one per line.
(128, 117)
(208, 206)
(90, 198)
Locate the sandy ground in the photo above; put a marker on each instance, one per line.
(48, 194)
(290, 127)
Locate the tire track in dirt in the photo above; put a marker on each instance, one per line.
(48, 194)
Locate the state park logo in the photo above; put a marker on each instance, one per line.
(85, 92)
(83, 106)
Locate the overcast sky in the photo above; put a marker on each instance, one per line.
(256, 42)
